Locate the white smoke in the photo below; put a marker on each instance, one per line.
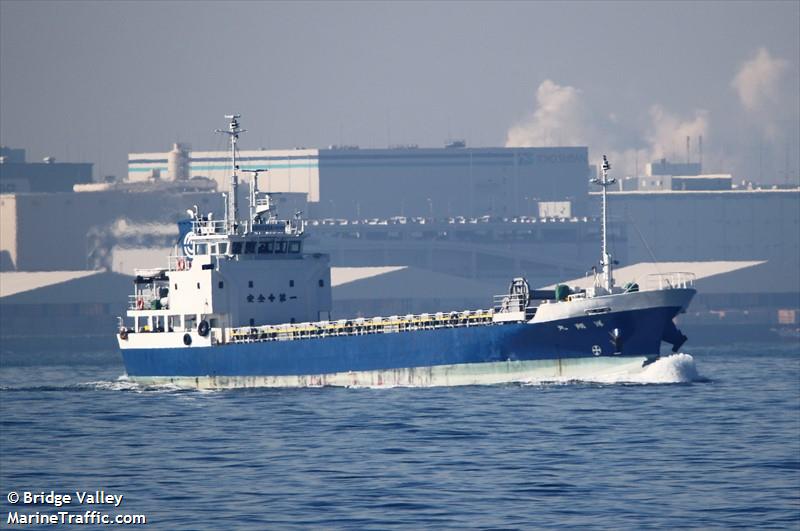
(762, 86)
(562, 117)
(668, 132)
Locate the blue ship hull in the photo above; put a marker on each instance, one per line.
(564, 339)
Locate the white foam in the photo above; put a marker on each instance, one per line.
(672, 369)
(676, 368)
(123, 383)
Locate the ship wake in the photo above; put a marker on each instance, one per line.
(673, 369)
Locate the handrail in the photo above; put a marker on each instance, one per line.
(360, 326)
(510, 302)
(205, 227)
(144, 301)
(673, 280)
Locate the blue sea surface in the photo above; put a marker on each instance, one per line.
(707, 441)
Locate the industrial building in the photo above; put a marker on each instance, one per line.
(20, 176)
(353, 183)
(741, 224)
(665, 167)
(69, 230)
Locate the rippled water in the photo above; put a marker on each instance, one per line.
(710, 439)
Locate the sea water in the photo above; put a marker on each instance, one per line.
(706, 438)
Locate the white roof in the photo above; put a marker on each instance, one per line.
(402, 282)
(12, 282)
(345, 275)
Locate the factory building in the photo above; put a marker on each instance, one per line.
(71, 230)
(665, 167)
(741, 224)
(19, 176)
(348, 182)
(703, 182)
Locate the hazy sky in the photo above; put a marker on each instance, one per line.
(92, 81)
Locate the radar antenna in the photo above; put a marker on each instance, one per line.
(605, 260)
(233, 133)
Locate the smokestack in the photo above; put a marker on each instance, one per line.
(700, 150)
(688, 149)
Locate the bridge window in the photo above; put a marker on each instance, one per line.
(250, 247)
(201, 248)
(223, 248)
(294, 246)
(264, 247)
(236, 248)
(281, 246)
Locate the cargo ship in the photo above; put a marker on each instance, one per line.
(241, 303)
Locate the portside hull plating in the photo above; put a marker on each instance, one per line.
(444, 356)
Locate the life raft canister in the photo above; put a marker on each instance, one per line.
(123, 334)
(203, 328)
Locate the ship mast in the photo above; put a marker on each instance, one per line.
(233, 132)
(605, 260)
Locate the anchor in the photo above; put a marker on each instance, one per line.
(673, 336)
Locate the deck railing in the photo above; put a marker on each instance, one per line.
(510, 302)
(354, 327)
(206, 227)
(675, 280)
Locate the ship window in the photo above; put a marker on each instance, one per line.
(221, 284)
(294, 247)
(236, 247)
(198, 285)
(281, 246)
(250, 247)
(176, 285)
(321, 283)
(223, 248)
(249, 283)
(264, 247)
(291, 283)
(202, 248)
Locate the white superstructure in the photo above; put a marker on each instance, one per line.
(231, 273)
